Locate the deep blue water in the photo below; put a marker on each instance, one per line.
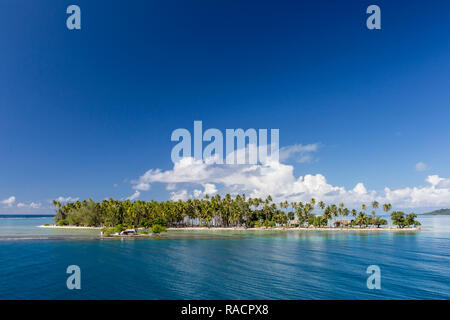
(225, 265)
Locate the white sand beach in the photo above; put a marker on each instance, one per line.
(251, 229)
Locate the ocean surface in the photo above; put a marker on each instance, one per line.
(224, 264)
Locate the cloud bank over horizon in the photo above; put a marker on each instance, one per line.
(192, 178)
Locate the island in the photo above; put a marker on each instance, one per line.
(150, 218)
(440, 212)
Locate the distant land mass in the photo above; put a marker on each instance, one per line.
(440, 212)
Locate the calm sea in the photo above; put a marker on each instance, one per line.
(224, 265)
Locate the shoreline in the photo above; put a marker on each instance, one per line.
(68, 227)
(296, 228)
(251, 229)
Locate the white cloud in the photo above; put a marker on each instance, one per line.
(179, 195)
(142, 186)
(35, 205)
(32, 205)
(272, 178)
(278, 180)
(67, 199)
(360, 189)
(420, 166)
(302, 152)
(438, 182)
(209, 189)
(437, 193)
(197, 193)
(9, 202)
(134, 196)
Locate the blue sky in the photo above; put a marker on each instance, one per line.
(84, 113)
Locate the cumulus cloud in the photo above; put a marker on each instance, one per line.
(209, 189)
(438, 182)
(421, 166)
(179, 195)
(278, 180)
(67, 199)
(184, 194)
(32, 205)
(436, 193)
(260, 180)
(9, 201)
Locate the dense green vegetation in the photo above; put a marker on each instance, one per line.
(443, 212)
(116, 215)
(399, 219)
(156, 228)
(110, 230)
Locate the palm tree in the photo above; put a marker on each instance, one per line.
(284, 204)
(345, 212)
(361, 219)
(209, 211)
(56, 203)
(304, 212)
(321, 205)
(375, 205)
(340, 210)
(328, 213)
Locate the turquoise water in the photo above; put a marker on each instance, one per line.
(225, 265)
